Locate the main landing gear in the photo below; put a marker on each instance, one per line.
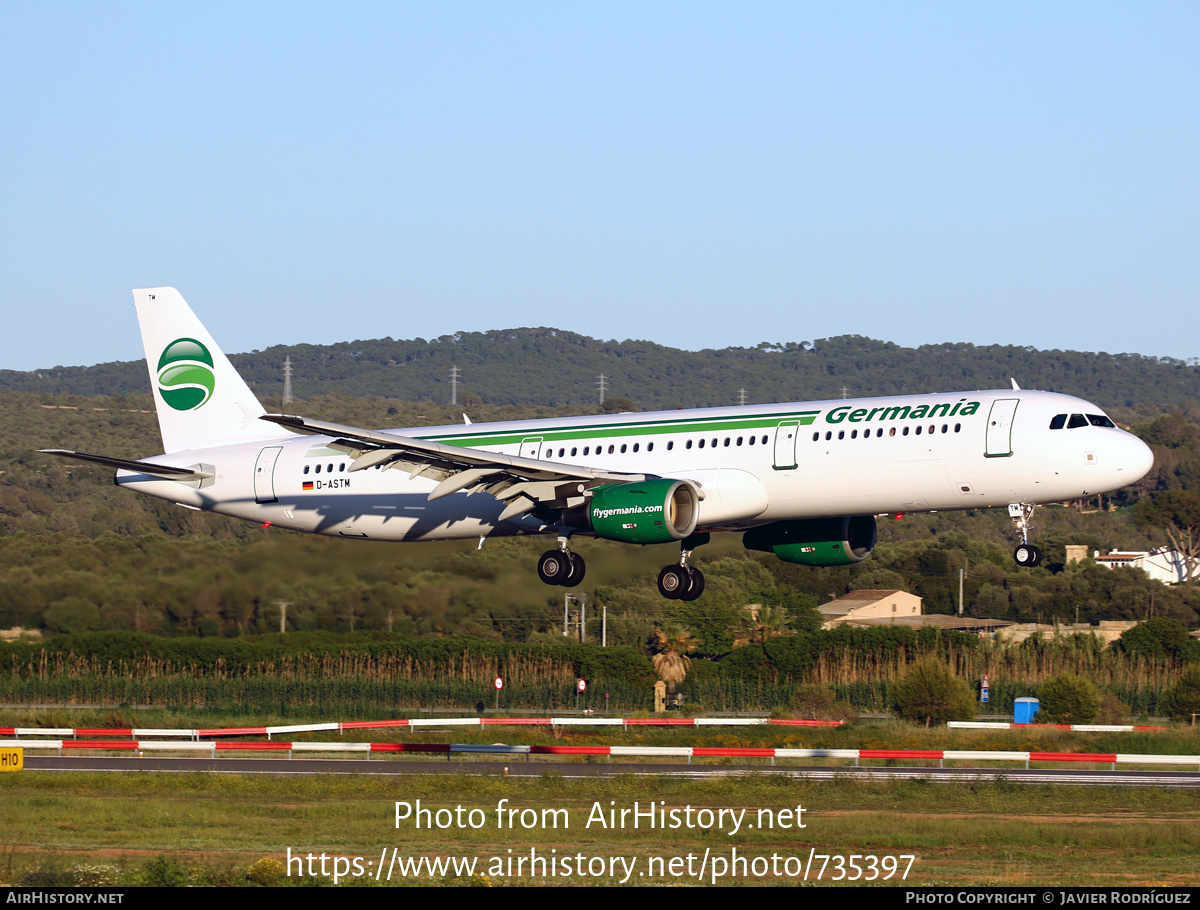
(681, 581)
(1026, 554)
(561, 566)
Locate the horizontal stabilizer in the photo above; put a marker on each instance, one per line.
(125, 464)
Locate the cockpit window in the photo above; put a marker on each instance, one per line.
(1058, 421)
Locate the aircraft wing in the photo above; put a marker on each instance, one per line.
(524, 483)
(125, 464)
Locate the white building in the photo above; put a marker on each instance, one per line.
(1167, 566)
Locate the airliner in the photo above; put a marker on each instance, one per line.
(804, 481)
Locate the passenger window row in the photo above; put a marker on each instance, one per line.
(866, 434)
(328, 468)
(614, 449)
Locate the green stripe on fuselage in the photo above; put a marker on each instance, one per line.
(609, 431)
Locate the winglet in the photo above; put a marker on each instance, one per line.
(1016, 388)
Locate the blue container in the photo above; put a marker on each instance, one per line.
(1025, 710)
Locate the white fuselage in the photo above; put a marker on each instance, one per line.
(753, 464)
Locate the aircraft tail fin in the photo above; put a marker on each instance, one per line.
(200, 398)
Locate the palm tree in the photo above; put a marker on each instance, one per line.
(673, 644)
(769, 622)
(759, 623)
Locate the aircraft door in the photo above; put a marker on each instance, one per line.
(785, 444)
(999, 428)
(531, 447)
(264, 474)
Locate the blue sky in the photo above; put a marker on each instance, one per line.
(698, 175)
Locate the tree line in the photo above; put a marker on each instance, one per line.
(546, 367)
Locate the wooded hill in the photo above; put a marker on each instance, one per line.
(552, 368)
(81, 555)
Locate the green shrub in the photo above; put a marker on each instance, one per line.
(1113, 710)
(164, 872)
(930, 694)
(812, 700)
(1157, 638)
(51, 874)
(1183, 699)
(817, 701)
(1067, 699)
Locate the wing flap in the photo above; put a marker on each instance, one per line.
(532, 481)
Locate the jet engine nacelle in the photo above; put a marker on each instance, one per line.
(652, 511)
(816, 541)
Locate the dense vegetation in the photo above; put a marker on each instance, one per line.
(201, 586)
(375, 674)
(81, 557)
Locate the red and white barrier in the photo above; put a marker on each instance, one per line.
(201, 733)
(688, 752)
(623, 722)
(1078, 728)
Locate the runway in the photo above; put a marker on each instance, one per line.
(1058, 777)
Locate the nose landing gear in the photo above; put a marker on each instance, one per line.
(1026, 554)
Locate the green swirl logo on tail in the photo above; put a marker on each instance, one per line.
(185, 374)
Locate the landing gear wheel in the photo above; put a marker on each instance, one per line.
(696, 588)
(575, 573)
(554, 566)
(673, 582)
(1027, 555)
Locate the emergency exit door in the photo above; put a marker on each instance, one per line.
(264, 474)
(999, 428)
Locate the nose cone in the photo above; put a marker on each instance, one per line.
(1136, 459)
